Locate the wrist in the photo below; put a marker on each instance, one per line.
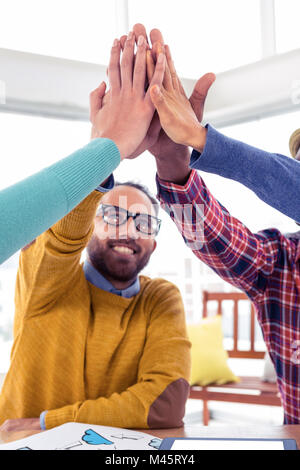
(174, 168)
(107, 135)
(198, 138)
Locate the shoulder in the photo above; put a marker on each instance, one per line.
(160, 294)
(156, 285)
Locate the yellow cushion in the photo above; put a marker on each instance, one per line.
(209, 358)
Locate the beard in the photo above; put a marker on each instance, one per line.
(113, 266)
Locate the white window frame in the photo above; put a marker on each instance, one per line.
(59, 88)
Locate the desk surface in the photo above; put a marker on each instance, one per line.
(271, 432)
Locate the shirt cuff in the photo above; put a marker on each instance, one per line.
(175, 193)
(42, 420)
(109, 184)
(221, 154)
(211, 135)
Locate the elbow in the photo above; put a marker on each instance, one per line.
(168, 410)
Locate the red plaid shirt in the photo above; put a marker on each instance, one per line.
(265, 265)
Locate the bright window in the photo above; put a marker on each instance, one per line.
(71, 29)
(204, 36)
(287, 14)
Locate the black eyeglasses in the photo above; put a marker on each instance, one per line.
(144, 223)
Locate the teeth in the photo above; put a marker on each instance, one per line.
(123, 249)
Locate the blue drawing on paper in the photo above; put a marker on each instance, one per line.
(93, 438)
(155, 443)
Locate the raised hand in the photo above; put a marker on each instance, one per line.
(176, 114)
(126, 113)
(172, 159)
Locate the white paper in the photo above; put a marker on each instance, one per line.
(79, 436)
(190, 444)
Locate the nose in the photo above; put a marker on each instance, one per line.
(128, 230)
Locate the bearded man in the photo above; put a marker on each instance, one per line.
(95, 342)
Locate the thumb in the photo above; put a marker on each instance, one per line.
(157, 98)
(199, 94)
(96, 98)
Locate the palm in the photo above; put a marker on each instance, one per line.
(163, 145)
(156, 141)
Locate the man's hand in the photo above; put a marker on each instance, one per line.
(172, 159)
(21, 424)
(175, 111)
(127, 112)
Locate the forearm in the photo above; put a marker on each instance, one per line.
(52, 263)
(174, 167)
(133, 408)
(217, 238)
(274, 178)
(30, 207)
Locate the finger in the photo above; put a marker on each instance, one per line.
(175, 79)
(96, 98)
(114, 67)
(158, 101)
(158, 75)
(127, 61)
(156, 36)
(140, 66)
(199, 94)
(171, 66)
(168, 82)
(150, 65)
(140, 30)
(122, 41)
(159, 48)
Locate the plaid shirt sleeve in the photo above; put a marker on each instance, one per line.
(243, 259)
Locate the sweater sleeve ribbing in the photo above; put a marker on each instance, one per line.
(31, 206)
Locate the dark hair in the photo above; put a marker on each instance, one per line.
(144, 190)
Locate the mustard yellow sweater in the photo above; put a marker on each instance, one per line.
(87, 355)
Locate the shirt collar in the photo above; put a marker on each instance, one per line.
(96, 278)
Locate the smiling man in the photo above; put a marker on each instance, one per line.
(120, 248)
(96, 342)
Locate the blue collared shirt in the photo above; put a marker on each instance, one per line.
(95, 278)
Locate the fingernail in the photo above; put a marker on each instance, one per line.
(141, 40)
(130, 35)
(115, 43)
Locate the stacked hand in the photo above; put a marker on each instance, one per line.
(126, 114)
(146, 107)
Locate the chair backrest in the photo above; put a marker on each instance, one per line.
(235, 297)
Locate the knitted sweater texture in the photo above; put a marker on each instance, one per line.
(88, 355)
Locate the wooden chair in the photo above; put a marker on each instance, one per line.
(266, 393)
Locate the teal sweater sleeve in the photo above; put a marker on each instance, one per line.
(274, 178)
(30, 207)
